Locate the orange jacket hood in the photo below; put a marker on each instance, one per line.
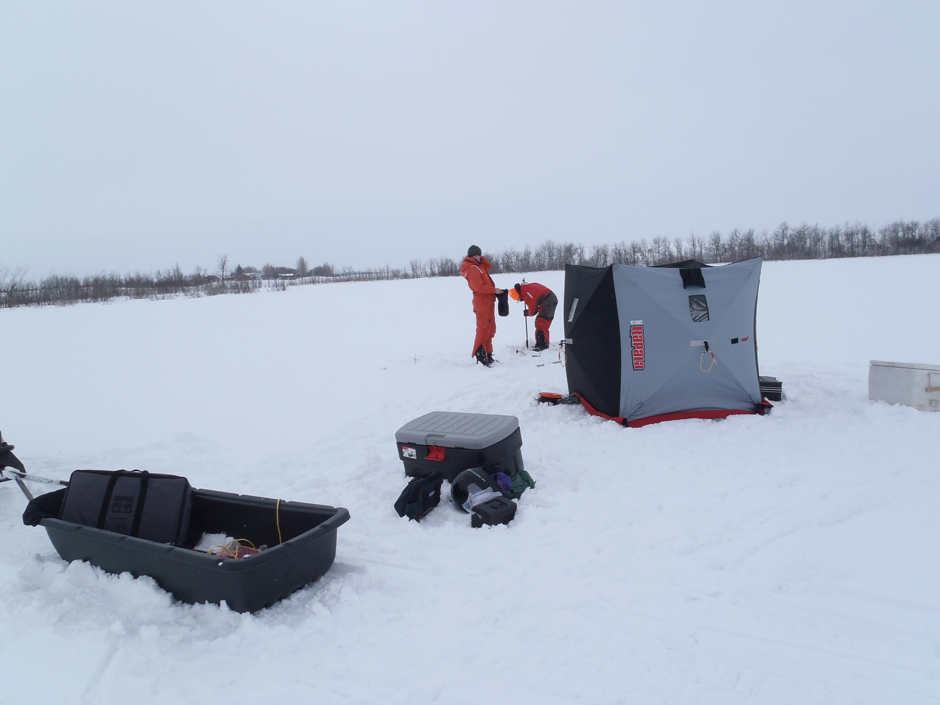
(477, 275)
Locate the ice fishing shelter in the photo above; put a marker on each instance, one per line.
(650, 344)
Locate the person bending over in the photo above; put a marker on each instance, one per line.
(540, 301)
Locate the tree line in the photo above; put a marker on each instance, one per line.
(784, 243)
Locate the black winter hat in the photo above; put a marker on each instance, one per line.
(474, 251)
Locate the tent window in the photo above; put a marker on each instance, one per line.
(698, 307)
(574, 307)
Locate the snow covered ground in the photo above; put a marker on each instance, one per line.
(786, 559)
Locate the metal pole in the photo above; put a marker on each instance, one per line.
(19, 476)
(524, 309)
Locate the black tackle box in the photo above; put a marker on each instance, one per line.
(452, 442)
(771, 388)
(493, 513)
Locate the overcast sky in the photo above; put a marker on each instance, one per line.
(139, 135)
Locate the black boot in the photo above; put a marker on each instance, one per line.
(490, 359)
(481, 357)
(540, 343)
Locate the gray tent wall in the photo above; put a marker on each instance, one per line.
(668, 315)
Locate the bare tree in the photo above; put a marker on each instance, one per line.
(714, 246)
(13, 287)
(798, 242)
(680, 251)
(660, 250)
(302, 268)
(779, 242)
(636, 253)
(221, 266)
(696, 248)
(600, 256)
(749, 247)
(620, 254)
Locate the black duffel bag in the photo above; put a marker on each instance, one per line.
(420, 496)
(502, 301)
(142, 504)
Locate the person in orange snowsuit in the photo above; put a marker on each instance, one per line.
(476, 270)
(540, 301)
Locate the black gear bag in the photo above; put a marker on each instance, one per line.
(420, 496)
(502, 301)
(141, 504)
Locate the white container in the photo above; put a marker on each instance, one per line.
(905, 383)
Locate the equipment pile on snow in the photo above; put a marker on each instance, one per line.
(479, 454)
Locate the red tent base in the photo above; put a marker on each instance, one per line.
(763, 408)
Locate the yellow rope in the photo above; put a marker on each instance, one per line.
(240, 545)
(244, 546)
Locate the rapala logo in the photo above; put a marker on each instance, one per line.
(639, 347)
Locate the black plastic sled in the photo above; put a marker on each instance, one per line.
(297, 541)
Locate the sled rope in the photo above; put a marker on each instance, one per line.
(277, 517)
(241, 549)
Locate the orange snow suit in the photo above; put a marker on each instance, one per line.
(484, 301)
(540, 301)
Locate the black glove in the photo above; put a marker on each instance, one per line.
(525, 312)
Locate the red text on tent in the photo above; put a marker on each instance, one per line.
(639, 347)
